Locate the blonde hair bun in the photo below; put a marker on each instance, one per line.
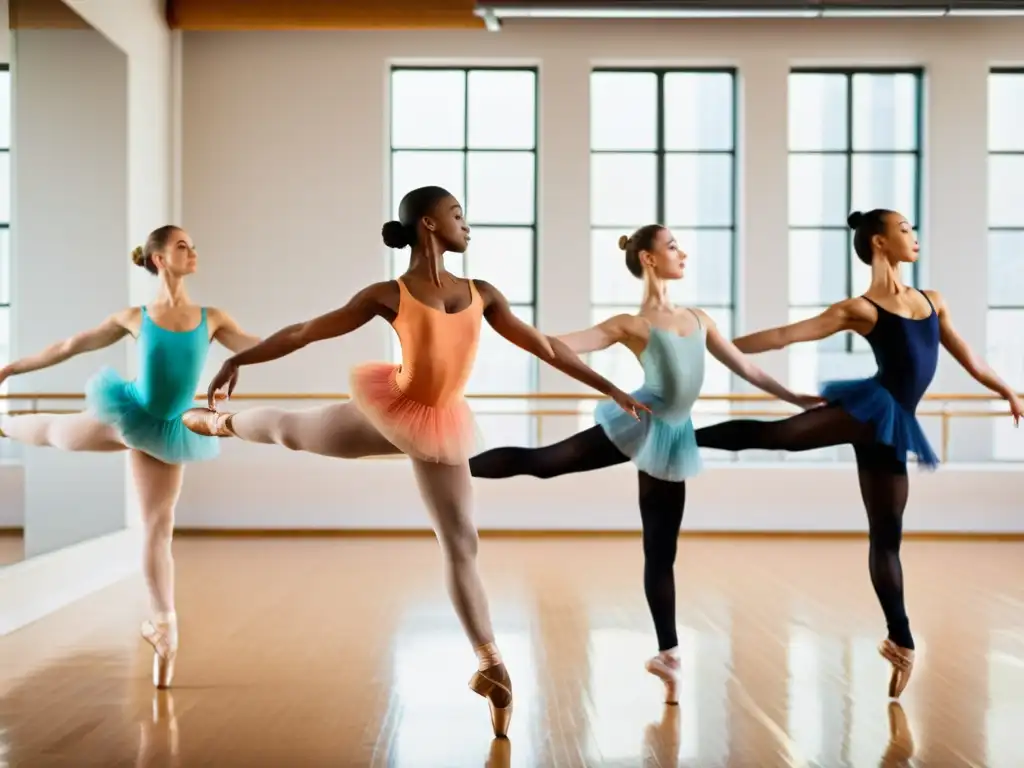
(623, 242)
(138, 255)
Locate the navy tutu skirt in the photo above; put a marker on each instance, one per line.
(868, 401)
(116, 402)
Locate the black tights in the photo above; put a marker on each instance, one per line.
(883, 487)
(661, 509)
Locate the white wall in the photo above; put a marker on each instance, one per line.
(285, 174)
(70, 226)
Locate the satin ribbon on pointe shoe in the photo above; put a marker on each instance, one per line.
(902, 661)
(668, 673)
(487, 683)
(209, 423)
(164, 652)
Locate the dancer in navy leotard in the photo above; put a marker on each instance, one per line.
(904, 327)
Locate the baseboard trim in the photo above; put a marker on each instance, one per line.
(411, 533)
(40, 585)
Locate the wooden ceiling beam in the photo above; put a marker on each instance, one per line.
(241, 15)
(44, 14)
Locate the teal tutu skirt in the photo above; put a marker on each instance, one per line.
(115, 401)
(666, 449)
(868, 401)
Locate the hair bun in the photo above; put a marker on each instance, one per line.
(855, 219)
(394, 235)
(623, 242)
(138, 256)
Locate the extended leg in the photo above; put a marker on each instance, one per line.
(447, 492)
(884, 486)
(340, 431)
(807, 431)
(67, 431)
(159, 485)
(583, 452)
(661, 512)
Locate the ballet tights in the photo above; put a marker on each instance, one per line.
(883, 480)
(341, 431)
(583, 452)
(661, 513)
(66, 431)
(661, 509)
(158, 485)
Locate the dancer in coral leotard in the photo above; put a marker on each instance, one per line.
(416, 408)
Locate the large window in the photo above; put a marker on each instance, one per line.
(474, 132)
(5, 216)
(1006, 243)
(854, 144)
(663, 147)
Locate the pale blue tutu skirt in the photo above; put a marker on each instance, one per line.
(664, 449)
(116, 402)
(868, 401)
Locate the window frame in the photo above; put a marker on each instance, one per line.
(6, 225)
(660, 154)
(465, 149)
(849, 153)
(989, 153)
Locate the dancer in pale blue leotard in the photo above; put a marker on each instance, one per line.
(670, 343)
(144, 415)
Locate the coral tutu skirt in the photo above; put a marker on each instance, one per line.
(442, 434)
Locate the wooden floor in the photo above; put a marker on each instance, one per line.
(345, 652)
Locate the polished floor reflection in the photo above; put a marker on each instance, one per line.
(345, 652)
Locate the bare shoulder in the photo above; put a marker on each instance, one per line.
(625, 325)
(936, 298)
(129, 318)
(707, 321)
(856, 308)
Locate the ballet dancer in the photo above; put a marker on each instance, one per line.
(670, 343)
(143, 416)
(416, 408)
(904, 327)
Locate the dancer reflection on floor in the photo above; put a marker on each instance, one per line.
(904, 327)
(143, 416)
(671, 343)
(416, 408)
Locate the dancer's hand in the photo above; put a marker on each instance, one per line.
(629, 404)
(227, 377)
(807, 402)
(1016, 409)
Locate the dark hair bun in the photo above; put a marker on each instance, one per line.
(394, 235)
(855, 219)
(138, 256)
(623, 242)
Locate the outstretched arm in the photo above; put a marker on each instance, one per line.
(972, 363)
(229, 334)
(600, 336)
(726, 352)
(849, 315)
(110, 331)
(361, 309)
(552, 351)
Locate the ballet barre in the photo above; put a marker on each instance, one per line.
(950, 405)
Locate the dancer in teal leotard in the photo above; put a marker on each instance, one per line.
(143, 415)
(670, 344)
